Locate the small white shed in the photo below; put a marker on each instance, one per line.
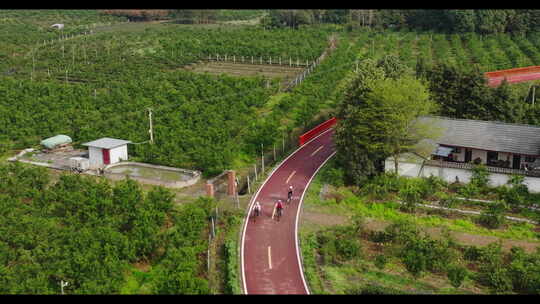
(105, 151)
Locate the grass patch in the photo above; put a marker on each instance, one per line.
(397, 281)
(137, 282)
(308, 246)
(339, 277)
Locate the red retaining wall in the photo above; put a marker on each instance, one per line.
(302, 139)
(513, 75)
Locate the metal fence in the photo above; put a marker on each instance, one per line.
(296, 62)
(469, 166)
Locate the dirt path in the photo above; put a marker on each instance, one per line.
(270, 255)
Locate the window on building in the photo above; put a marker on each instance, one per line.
(457, 150)
(492, 157)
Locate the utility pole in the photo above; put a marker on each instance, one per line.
(62, 285)
(236, 194)
(534, 87)
(262, 158)
(248, 186)
(151, 130)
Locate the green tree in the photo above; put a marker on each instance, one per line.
(389, 123)
(353, 156)
(392, 66)
(480, 176)
(491, 21)
(463, 21)
(177, 274)
(287, 18)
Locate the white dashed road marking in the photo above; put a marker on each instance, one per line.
(269, 258)
(290, 176)
(314, 152)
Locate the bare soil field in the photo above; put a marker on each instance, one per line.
(246, 69)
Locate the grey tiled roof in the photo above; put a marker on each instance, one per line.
(488, 135)
(107, 143)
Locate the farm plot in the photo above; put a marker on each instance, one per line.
(487, 52)
(285, 73)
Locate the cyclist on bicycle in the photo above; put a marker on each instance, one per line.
(289, 195)
(279, 209)
(257, 210)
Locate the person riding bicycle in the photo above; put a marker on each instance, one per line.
(279, 208)
(257, 209)
(289, 194)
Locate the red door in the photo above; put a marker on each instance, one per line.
(106, 156)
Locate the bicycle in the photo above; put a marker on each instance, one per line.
(279, 208)
(279, 213)
(289, 195)
(256, 212)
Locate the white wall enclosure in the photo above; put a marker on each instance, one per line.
(450, 174)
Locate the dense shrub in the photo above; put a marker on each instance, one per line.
(492, 270)
(380, 236)
(447, 200)
(422, 254)
(472, 253)
(469, 190)
(524, 270)
(435, 183)
(380, 261)
(480, 176)
(401, 231)
(411, 196)
(339, 244)
(333, 176)
(493, 217)
(456, 274)
(517, 195)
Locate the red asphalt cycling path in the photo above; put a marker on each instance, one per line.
(269, 254)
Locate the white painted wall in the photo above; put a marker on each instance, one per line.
(96, 157)
(119, 153)
(116, 155)
(449, 174)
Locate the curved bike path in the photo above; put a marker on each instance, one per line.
(270, 258)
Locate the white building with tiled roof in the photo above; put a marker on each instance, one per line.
(105, 151)
(504, 148)
(492, 143)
